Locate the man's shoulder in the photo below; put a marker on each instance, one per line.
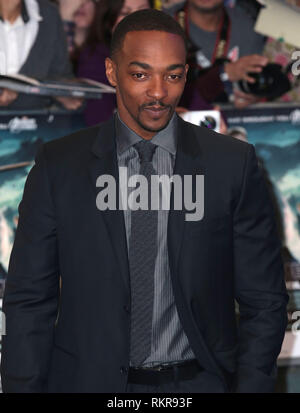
(215, 142)
(243, 32)
(242, 21)
(223, 157)
(73, 146)
(238, 14)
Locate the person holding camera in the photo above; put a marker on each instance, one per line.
(223, 50)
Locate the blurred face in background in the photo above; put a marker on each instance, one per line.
(131, 6)
(13, 4)
(293, 2)
(206, 6)
(84, 16)
(10, 5)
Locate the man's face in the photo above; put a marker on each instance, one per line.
(206, 6)
(149, 74)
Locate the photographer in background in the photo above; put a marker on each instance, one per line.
(223, 49)
(32, 43)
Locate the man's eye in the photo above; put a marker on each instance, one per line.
(139, 75)
(175, 77)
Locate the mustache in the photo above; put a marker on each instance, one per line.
(157, 103)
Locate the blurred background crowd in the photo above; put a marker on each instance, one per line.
(226, 54)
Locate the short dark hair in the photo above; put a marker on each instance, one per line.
(145, 20)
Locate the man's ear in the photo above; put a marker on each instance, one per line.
(186, 70)
(110, 68)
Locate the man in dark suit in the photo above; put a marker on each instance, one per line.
(146, 301)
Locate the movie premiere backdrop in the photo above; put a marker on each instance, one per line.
(275, 133)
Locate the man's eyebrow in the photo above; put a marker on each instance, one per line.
(176, 66)
(147, 66)
(143, 65)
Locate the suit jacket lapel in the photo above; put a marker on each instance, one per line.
(104, 162)
(188, 162)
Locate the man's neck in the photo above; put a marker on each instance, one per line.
(205, 20)
(9, 13)
(147, 135)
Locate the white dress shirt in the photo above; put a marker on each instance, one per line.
(17, 39)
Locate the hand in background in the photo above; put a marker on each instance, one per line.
(7, 97)
(68, 8)
(69, 102)
(240, 69)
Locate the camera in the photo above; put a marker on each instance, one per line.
(210, 119)
(271, 83)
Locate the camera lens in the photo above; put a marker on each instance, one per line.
(209, 122)
(271, 82)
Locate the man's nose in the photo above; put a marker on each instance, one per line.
(157, 88)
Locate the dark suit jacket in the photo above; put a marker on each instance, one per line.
(78, 340)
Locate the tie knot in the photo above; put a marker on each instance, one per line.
(145, 150)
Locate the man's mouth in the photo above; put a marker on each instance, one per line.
(156, 108)
(156, 111)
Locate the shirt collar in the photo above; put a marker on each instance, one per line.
(24, 12)
(126, 137)
(33, 10)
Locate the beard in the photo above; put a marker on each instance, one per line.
(171, 110)
(155, 129)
